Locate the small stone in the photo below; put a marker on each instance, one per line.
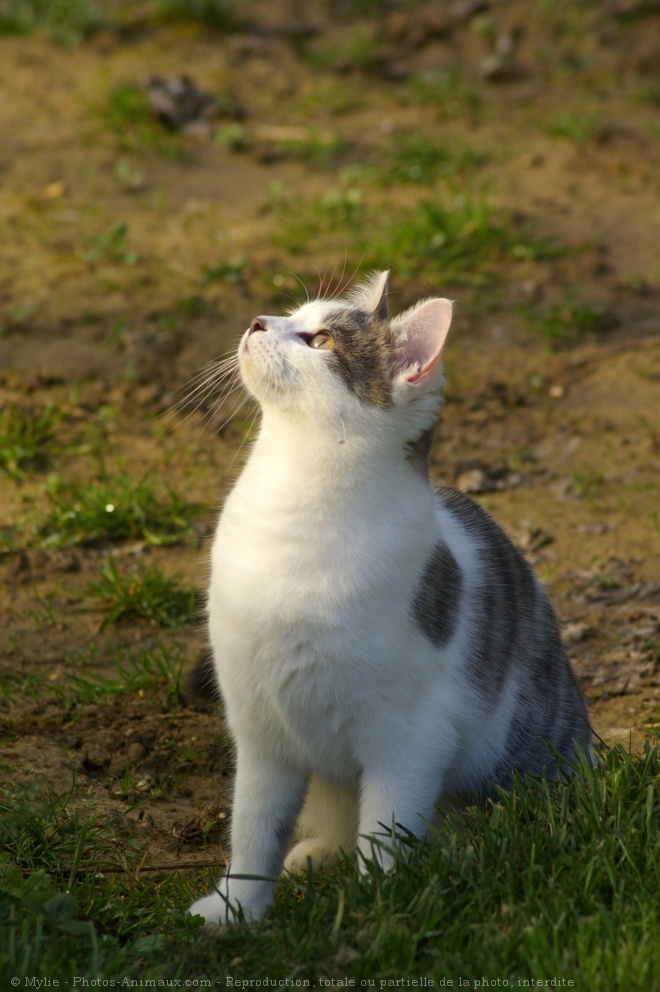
(136, 752)
(54, 191)
(472, 481)
(574, 633)
(96, 756)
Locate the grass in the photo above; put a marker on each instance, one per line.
(126, 115)
(71, 21)
(448, 92)
(299, 143)
(305, 226)
(579, 128)
(417, 158)
(111, 245)
(565, 321)
(114, 509)
(27, 439)
(587, 484)
(361, 51)
(18, 318)
(32, 437)
(224, 270)
(458, 237)
(553, 882)
(156, 670)
(322, 148)
(225, 14)
(143, 594)
(330, 96)
(67, 21)
(50, 897)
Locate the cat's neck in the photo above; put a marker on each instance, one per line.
(331, 457)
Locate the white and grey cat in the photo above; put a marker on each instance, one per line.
(379, 643)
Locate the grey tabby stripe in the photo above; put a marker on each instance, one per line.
(361, 354)
(436, 603)
(504, 604)
(516, 641)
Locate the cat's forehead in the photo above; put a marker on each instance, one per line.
(329, 314)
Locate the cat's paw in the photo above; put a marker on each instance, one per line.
(322, 855)
(233, 902)
(213, 908)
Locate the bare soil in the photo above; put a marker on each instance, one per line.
(559, 439)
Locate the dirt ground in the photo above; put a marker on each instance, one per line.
(132, 254)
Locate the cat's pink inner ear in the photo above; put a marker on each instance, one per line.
(426, 332)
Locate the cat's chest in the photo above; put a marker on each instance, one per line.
(309, 624)
(310, 607)
(290, 550)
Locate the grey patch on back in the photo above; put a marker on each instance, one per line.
(361, 354)
(503, 605)
(437, 599)
(515, 641)
(546, 733)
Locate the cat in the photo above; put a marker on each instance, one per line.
(380, 644)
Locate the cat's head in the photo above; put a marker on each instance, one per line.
(344, 364)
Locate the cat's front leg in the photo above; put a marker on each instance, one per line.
(267, 799)
(386, 810)
(400, 796)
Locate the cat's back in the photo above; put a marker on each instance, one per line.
(512, 654)
(488, 557)
(494, 587)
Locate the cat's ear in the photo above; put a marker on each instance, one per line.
(371, 295)
(419, 337)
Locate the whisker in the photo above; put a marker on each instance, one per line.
(239, 403)
(245, 437)
(341, 284)
(217, 371)
(320, 278)
(354, 274)
(212, 383)
(323, 292)
(291, 295)
(220, 376)
(198, 404)
(212, 375)
(338, 283)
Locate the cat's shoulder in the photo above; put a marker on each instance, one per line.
(473, 520)
(463, 508)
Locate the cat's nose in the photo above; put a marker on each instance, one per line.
(258, 324)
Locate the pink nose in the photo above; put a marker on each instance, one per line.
(258, 324)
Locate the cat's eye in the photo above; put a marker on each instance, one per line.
(320, 340)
